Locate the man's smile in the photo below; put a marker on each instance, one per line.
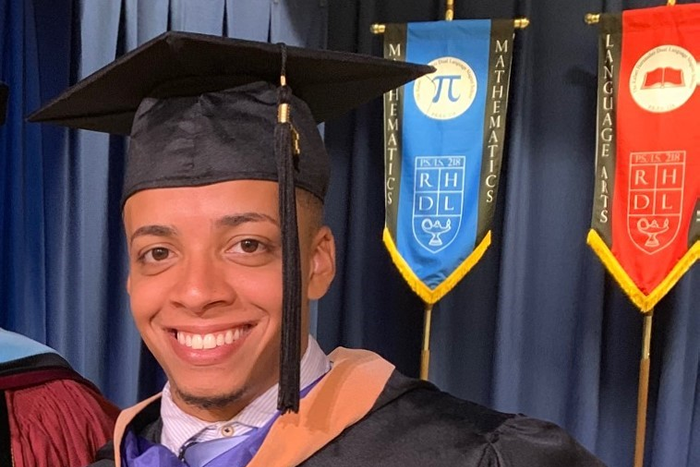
(197, 341)
(206, 347)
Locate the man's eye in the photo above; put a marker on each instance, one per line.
(252, 252)
(249, 245)
(156, 254)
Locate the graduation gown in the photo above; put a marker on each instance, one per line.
(50, 416)
(365, 413)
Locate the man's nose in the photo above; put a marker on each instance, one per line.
(203, 285)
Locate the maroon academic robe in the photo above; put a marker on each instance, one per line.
(49, 415)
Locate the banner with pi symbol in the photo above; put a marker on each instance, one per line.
(444, 136)
(646, 209)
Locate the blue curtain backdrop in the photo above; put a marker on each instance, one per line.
(537, 327)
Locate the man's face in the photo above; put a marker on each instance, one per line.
(205, 283)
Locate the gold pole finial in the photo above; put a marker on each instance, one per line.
(671, 2)
(521, 23)
(450, 10)
(377, 28)
(592, 18)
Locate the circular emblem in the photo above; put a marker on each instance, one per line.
(663, 79)
(448, 92)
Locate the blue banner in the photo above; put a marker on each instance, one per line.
(443, 147)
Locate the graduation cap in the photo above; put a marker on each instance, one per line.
(202, 109)
(3, 102)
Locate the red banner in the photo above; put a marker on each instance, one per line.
(646, 216)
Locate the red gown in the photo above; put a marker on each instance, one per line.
(49, 415)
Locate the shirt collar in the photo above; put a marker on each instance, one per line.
(179, 427)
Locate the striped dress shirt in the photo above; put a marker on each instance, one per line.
(180, 428)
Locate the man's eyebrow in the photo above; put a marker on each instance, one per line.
(157, 230)
(235, 220)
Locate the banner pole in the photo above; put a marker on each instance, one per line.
(425, 353)
(643, 394)
(594, 18)
(518, 23)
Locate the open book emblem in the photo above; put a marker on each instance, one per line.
(663, 78)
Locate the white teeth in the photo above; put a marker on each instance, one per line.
(209, 341)
(197, 342)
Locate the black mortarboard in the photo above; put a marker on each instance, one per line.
(3, 102)
(203, 109)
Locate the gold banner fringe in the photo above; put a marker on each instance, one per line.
(644, 302)
(431, 296)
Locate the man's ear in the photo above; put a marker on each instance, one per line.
(322, 263)
(128, 284)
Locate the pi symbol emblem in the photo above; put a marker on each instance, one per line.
(438, 200)
(447, 92)
(655, 198)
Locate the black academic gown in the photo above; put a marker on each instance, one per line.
(412, 423)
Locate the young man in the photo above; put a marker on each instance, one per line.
(222, 208)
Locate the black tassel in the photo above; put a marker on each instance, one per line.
(288, 398)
